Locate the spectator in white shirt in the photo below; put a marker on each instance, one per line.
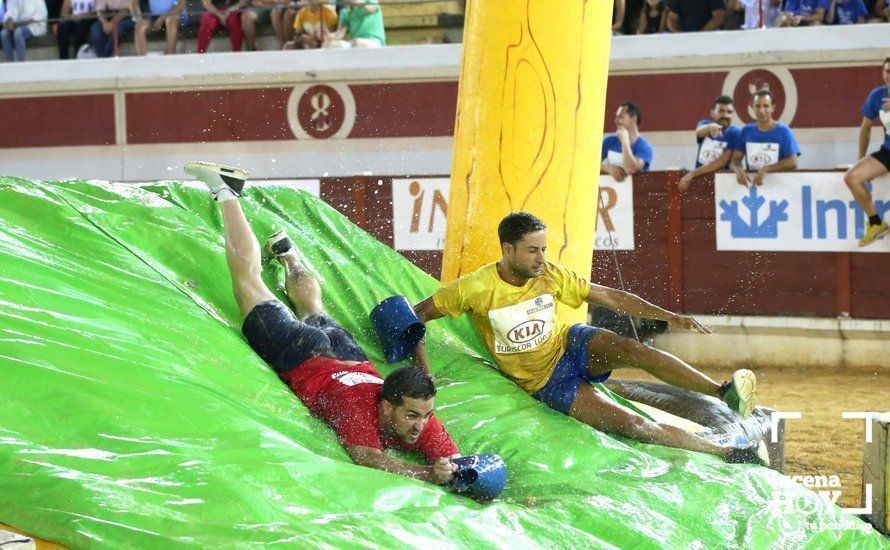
(24, 19)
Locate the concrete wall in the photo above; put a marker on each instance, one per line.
(778, 342)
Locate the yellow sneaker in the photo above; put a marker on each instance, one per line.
(873, 233)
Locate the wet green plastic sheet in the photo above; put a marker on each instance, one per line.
(133, 413)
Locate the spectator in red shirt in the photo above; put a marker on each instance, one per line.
(319, 359)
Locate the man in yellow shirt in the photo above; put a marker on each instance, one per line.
(512, 305)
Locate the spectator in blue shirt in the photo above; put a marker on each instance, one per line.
(802, 13)
(164, 16)
(766, 146)
(715, 137)
(626, 152)
(877, 106)
(846, 12)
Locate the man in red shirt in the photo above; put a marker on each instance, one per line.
(318, 359)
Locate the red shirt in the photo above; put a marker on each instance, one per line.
(346, 398)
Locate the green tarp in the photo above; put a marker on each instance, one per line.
(133, 413)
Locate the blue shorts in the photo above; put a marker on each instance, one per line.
(570, 371)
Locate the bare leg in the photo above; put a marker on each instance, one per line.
(289, 16)
(301, 286)
(609, 351)
(277, 17)
(862, 172)
(172, 29)
(248, 25)
(140, 38)
(243, 257)
(595, 409)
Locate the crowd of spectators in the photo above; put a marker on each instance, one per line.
(97, 28)
(657, 16)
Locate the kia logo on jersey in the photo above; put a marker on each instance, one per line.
(711, 154)
(760, 159)
(526, 331)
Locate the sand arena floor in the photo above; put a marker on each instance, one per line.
(821, 442)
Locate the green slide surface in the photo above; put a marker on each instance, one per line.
(134, 415)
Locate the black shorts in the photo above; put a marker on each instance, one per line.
(285, 342)
(882, 155)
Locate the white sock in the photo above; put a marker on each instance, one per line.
(225, 194)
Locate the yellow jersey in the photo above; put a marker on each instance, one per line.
(518, 324)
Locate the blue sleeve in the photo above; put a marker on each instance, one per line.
(871, 106)
(738, 144)
(788, 145)
(645, 152)
(605, 148)
(861, 10)
(731, 139)
(793, 6)
(699, 125)
(824, 4)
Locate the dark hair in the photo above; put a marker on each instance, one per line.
(886, 60)
(410, 382)
(763, 92)
(514, 226)
(633, 110)
(723, 100)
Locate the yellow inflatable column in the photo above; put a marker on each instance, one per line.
(529, 128)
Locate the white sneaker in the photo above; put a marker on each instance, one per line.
(741, 393)
(218, 177)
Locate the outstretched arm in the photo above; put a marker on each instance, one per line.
(440, 472)
(712, 166)
(630, 304)
(425, 311)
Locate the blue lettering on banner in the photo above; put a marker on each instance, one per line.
(838, 209)
(806, 212)
(754, 228)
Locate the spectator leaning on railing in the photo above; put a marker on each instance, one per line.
(695, 15)
(312, 25)
(626, 152)
(362, 22)
(112, 13)
(846, 12)
(164, 15)
(716, 137)
(766, 145)
(222, 13)
(77, 18)
(23, 19)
